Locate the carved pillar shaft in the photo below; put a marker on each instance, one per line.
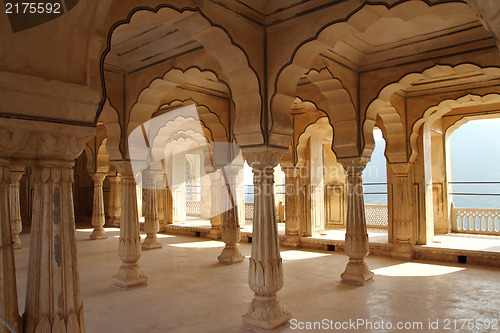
(292, 221)
(98, 217)
(160, 196)
(151, 221)
(356, 238)
(266, 270)
(402, 211)
(129, 249)
(15, 206)
(216, 216)
(8, 292)
(114, 201)
(53, 301)
(169, 207)
(230, 227)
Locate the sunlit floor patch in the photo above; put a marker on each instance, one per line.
(297, 255)
(158, 235)
(201, 245)
(416, 269)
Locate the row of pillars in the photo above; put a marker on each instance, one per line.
(53, 298)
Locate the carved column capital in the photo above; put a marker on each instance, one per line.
(291, 172)
(98, 177)
(30, 140)
(354, 165)
(263, 157)
(400, 169)
(124, 167)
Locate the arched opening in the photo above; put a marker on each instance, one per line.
(375, 188)
(474, 180)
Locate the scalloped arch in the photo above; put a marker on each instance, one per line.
(320, 127)
(396, 150)
(339, 109)
(435, 112)
(241, 77)
(218, 132)
(359, 22)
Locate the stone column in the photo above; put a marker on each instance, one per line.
(266, 270)
(356, 238)
(114, 201)
(402, 211)
(53, 301)
(230, 227)
(169, 207)
(151, 221)
(206, 197)
(129, 249)
(98, 218)
(160, 198)
(16, 224)
(216, 219)
(8, 291)
(292, 221)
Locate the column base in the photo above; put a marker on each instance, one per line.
(113, 222)
(265, 313)
(129, 276)
(292, 241)
(151, 242)
(98, 234)
(214, 233)
(17, 243)
(356, 273)
(403, 251)
(230, 255)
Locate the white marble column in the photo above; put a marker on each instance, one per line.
(53, 300)
(216, 216)
(129, 249)
(266, 270)
(402, 211)
(16, 224)
(98, 217)
(8, 292)
(151, 221)
(292, 222)
(356, 237)
(114, 206)
(230, 227)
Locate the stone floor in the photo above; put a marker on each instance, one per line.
(449, 241)
(189, 291)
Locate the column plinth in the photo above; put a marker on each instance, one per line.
(9, 309)
(151, 220)
(356, 238)
(292, 221)
(266, 269)
(15, 206)
(230, 228)
(98, 218)
(402, 212)
(129, 249)
(53, 300)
